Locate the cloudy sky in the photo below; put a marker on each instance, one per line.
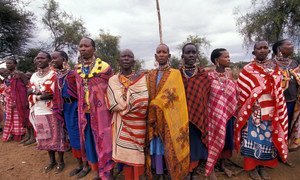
(136, 22)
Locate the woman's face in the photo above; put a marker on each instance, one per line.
(224, 59)
(287, 48)
(261, 50)
(126, 59)
(41, 60)
(162, 54)
(189, 55)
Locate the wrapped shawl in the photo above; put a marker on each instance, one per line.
(253, 83)
(129, 119)
(58, 102)
(19, 95)
(222, 105)
(100, 117)
(168, 119)
(197, 92)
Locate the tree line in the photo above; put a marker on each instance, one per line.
(269, 20)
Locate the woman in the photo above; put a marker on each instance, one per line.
(197, 88)
(127, 98)
(260, 130)
(167, 127)
(94, 118)
(222, 105)
(16, 107)
(49, 130)
(66, 105)
(283, 51)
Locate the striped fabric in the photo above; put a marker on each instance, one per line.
(129, 109)
(222, 105)
(255, 83)
(13, 123)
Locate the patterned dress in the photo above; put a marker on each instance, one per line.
(49, 130)
(261, 128)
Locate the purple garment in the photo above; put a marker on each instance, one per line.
(157, 163)
(100, 119)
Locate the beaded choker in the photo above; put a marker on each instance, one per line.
(95, 68)
(164, 67)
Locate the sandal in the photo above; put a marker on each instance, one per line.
(30, 141)
(49, 167)
(83, 173)
(59, 167)
(289, 164)
(254, 174)
(264, 175)
(75, 171)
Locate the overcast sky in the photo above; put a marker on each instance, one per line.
(136, 22)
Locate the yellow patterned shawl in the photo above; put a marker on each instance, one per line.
(168, 119)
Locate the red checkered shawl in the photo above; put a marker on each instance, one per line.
(197, 92)
(253, 83)
(222, 105)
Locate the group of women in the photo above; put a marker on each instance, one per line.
(165, 122)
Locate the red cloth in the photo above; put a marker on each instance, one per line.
(197, 92)
(76, 153)
(13, 124)
(251, 163)
(133, 172)
(222, 105)
(254, 82)
(19, 96)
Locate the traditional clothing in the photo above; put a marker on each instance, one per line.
(290, 87)
(197, 88)
(261, 128)
(128, 100)
(16, 117)
(222, 105)
(49, 130)
(294, 140)
(168, 122)
(66, 108)
(94, 117)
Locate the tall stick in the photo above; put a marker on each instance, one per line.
(159, 21)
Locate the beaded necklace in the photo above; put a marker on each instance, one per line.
(193, 69)
(94, 68)
(221, 77)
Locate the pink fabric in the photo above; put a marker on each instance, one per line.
(222, 105)
(13, 125)
(49, 133)
(100, 119)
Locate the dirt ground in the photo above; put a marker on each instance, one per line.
(19, 162)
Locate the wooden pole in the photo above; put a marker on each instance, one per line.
(159, 21)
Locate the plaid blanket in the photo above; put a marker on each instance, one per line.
(221, 107)
(197, 92)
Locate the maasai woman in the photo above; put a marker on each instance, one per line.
(294, 139)
(127, 98)
(16, 107)
(222, 105)
(167, 127)
(65, 104)
(49, 130)
(283, 51)
(261, 128)
(197, 87)
(94, 117)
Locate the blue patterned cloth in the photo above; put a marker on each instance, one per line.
(257, 141)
